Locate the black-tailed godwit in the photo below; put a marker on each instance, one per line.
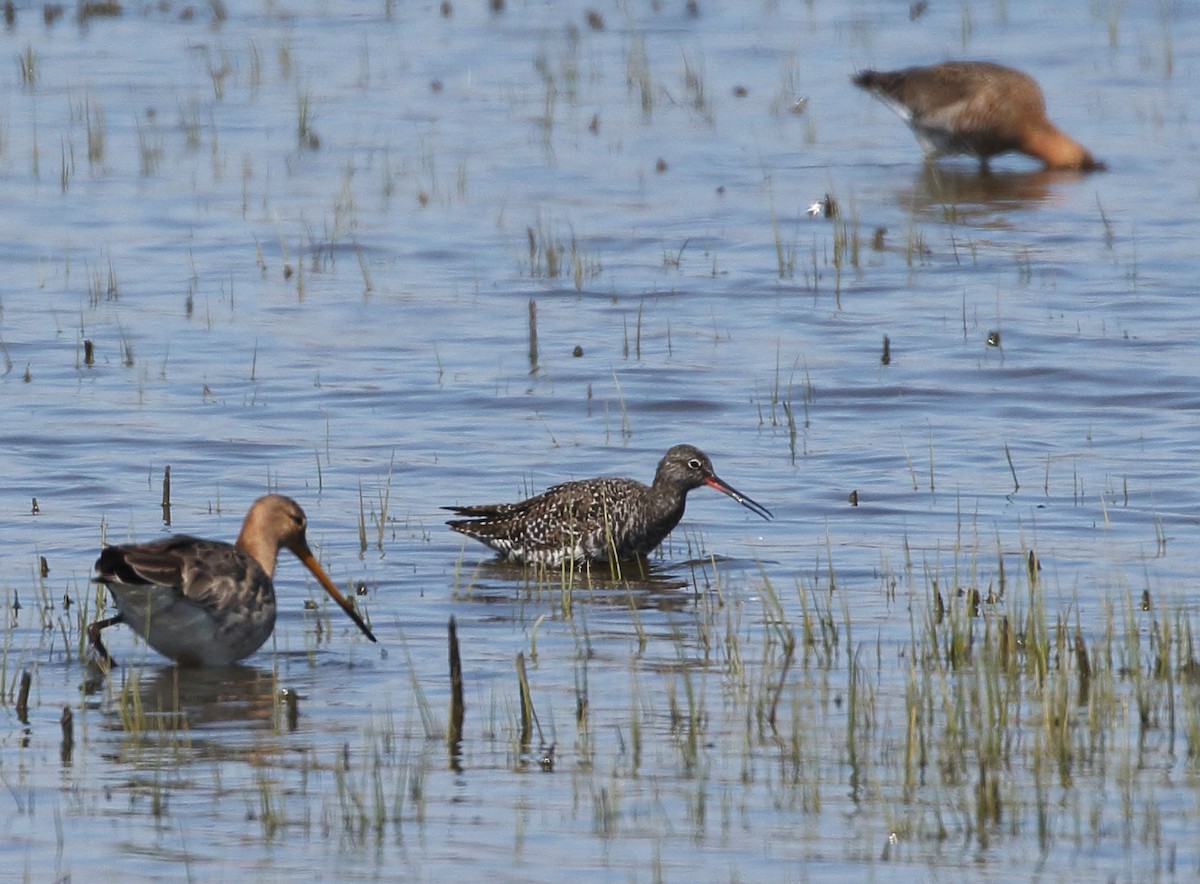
(977, 108)
(206, 602)
(593, 520)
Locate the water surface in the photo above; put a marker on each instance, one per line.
(303, 243)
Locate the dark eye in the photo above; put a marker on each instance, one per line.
(694, 464)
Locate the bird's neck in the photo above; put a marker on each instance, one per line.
(253, 542)
(664, 506)
(1055, 148)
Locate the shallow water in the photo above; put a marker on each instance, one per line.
(342, 314)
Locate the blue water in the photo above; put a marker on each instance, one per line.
(344, 317)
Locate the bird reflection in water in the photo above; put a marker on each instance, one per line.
(962, 195)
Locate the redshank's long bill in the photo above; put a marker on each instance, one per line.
(595, 520)
(206, 602)
(977, 108)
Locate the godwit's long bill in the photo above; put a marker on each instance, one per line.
(206, 602)
(595, 520)
(978, 108)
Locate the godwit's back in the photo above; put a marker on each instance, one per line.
(978, 108)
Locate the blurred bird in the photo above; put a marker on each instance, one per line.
(977, 108)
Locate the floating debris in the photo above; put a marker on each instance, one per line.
(826, 208)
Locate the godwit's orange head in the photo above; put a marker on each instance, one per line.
(276, 522)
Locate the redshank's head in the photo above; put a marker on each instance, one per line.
(690, 467)
(276, 522)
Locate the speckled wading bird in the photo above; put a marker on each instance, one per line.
(206, 602)
(977, 108)
(595, 520)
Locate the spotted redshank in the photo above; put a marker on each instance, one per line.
(977, 108)
(205, 602)
(595, 520)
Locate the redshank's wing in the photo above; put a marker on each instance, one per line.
(583, 520)
(487, 510)
(529, 509)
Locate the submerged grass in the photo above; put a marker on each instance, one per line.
(1000, 720)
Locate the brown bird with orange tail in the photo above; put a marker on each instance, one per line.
(206, 602)
(977, 108)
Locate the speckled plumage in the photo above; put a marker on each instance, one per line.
(596, 519)
(206, 602)
(978, 108)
